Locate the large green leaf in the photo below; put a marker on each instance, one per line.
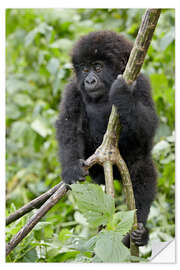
(39, 126)
(123, 221)
(96, 206)
(109, 248)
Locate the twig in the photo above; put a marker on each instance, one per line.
(36, 217)
(36, 203)
(141, 45)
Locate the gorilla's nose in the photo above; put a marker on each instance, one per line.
(90, 80)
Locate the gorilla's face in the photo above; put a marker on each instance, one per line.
(97, 59)
(94, 78)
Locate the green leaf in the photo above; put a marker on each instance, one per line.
(14, 84)
(18, 129)
(42, 28)
(162, 131)
(57, 81)
(96, 206)
(123, 221)
(91, 242)
(169, 158)
(109, 248)
(167, 39)
(171, 138)
(53, 65)
(162, 147)
(64, 234)
(82, 259)
(30, 256)
(23, 100)
(64, 256)
(80, 218)
(63, 44)
(159, 86)
(83, 244)
(40, 127)
(12, 111)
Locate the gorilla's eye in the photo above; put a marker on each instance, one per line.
(85, 69)
(98, 66)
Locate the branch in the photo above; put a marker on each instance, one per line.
(141, 45)
(108, 153)
(36, 217)
(36, 203)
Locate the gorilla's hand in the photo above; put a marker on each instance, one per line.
(120, 86)
(121, 95)
(140, 236)
(74, 172)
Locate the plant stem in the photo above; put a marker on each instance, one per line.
(36, 217)
(36, 203)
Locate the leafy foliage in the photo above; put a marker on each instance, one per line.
(38, 67)
(109, 248)
(99, 209)
(88, 198)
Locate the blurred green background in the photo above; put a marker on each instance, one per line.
(38, 43)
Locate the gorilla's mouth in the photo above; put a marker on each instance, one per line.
(100, 88)
(92, 90)
(96, 92)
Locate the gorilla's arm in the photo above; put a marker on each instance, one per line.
(138, 121)
(69, 135)
(136, 111)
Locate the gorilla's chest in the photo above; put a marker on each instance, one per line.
(97, 116)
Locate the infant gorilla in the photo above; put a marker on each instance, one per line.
(98, 58)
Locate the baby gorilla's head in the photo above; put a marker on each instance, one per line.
(97, 59)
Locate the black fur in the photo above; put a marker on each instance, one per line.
(84, 116)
